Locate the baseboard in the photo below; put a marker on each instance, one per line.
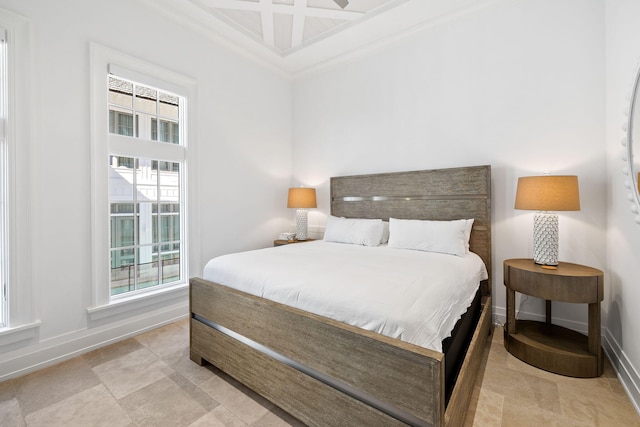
(49, 352)
(625, 370)
(499, 316)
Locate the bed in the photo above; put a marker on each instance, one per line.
(328, 373)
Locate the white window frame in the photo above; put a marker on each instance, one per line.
(4, 184)
(21, 304)
(103, 61)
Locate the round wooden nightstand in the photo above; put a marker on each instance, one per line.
(542, 344)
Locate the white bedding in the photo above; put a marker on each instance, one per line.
(411, 295)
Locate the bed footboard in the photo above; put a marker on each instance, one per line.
(323, 372)
(461, 396)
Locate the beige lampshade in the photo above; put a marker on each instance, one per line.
(302, 197)
(548, 193)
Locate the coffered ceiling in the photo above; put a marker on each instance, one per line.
(298, 35)
(287, 25)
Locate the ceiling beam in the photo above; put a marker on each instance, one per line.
(266, 15)
(297, 26)
(286, 9)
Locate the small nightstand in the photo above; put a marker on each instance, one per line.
(279, 242)
(542, 344)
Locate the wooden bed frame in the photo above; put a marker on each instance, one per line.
(327, 373)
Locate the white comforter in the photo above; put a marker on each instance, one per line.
(411, 295)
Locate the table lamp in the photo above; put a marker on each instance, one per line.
(546, 194)
(302, 199)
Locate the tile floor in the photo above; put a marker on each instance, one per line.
(149, 380)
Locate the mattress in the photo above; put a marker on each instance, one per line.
(411, 295)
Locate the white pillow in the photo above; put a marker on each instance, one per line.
(467, 231)
(448, 237)
(367, 232)
(385, 233)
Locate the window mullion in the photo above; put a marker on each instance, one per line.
(136, 225)
(159, 224)
(129, 147)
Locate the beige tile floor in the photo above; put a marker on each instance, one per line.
(149, 380)
(510, 392)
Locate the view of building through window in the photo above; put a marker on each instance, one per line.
(144, 193)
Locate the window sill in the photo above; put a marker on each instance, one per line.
(174, 294)
(16, 334)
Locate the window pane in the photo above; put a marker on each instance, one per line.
(169, 106)
(169, 176)
(147, 267)
(122, 230)
(157, 112)
(121, 123)
(147, 223)
(139, 223)
(121, 180)
(170, 265)
(169, 222)
(154, 129)
(146, 181)
(125, 124)
(122, 271)
(168, 131)
(146, 100)
(145, 205)
(175, 133)
(120, 92)
(121, 197)
(164, 131)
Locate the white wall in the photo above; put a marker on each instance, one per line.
(527, 86)
(242, 136)
(518, 85)
(623, 237)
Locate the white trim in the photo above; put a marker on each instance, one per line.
(21, 111)
(137, 302)
(9, 336)
(627, 373)
(55, 350)
(122, 145)
(103, 59)
(138, 75)
(285, 9)
(4, 182)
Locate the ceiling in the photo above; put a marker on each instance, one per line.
(295, 36)
(288, 25)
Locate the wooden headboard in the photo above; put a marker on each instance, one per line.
(438, 194)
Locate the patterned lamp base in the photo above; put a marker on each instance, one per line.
(545, 238)
(301, 224)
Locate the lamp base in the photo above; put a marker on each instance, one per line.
(301, 224)
(545, 238)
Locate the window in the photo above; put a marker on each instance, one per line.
(141, 161)
(145, 200)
